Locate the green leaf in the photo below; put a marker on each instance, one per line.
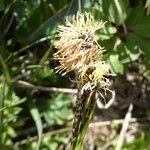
(132, 49)
(106, 32)
(5, 70)
(49, 117)
(38, 122)
(135, 16)
(118, 11)
(11, 132)
(139, 23)
(58, 111)
(14, 104)
(109, 44)
(45, 56)
(141, 43)
(105, 6)
(97, 13)
(116, 66)
(35, 27)
(143, 27)
(140, 143)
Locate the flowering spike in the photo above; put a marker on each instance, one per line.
(78, 51)
(77, 46)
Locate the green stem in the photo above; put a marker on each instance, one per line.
(2, 96)
(5, 69)
(6, 79)
(83, 124)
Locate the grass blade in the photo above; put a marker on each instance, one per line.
(38, 122)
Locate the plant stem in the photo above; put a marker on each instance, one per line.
(5, 69)
(83, 121)
(5, 79)
(2, 95)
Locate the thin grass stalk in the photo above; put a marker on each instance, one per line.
(27, 47)
(83, 121)
(2, 96)
(5, 80)
(6, 71)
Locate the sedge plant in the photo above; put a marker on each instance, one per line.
(78, 51)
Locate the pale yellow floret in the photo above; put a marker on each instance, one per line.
(96, 75)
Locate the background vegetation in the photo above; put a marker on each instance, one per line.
(36, 104)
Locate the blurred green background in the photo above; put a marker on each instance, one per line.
(37, 105)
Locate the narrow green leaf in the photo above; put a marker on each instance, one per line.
(2, 96)
(43, 26)
(6, 71)
(118, 11)
(45, 56)
(38, 122)
(14, 104)
(27, 47)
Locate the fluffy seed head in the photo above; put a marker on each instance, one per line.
(78, 51)
(77, 46)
